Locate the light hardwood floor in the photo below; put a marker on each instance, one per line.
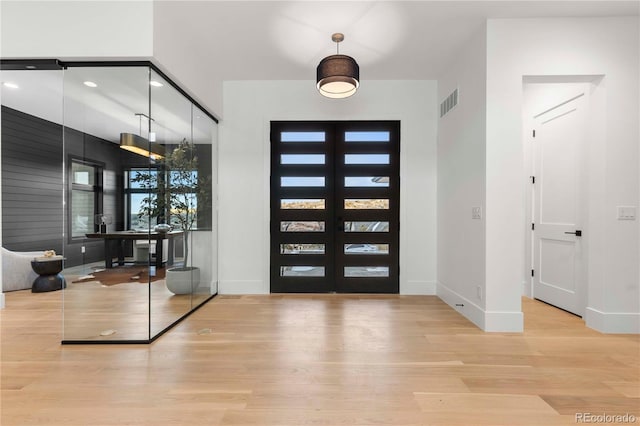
(317, 360)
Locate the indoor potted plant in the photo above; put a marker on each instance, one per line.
(176, 191)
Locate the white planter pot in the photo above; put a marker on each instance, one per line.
(183, 280)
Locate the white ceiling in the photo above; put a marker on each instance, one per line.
(271, 40)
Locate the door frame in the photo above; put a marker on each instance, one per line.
(595, 158)
(334, 222)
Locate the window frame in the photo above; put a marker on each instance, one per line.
(97, 189)
(128, 190)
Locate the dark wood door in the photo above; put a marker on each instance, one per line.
(335, 204)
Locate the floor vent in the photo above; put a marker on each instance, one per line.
(449, 103)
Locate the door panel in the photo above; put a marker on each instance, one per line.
(559, 202)
(335, 207)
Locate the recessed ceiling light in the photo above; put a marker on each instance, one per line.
(10, 85)
(90, 84)
(156, 83)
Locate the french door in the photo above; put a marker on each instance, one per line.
(335, 201)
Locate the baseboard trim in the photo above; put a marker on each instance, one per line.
(1, 300)
(613, 322)
(242, 287)
(490, 321)
(469, 310)
(418, 288)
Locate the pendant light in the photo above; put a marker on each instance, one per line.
(141, 146)
(338, 76)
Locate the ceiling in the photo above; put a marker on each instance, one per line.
(283, 40)
(267, 40)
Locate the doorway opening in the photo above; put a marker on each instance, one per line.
(335, 202)
(562, 126)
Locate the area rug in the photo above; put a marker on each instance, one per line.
(122, 275)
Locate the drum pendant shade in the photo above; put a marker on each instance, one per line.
(338, 76)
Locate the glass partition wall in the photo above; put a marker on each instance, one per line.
(136, 168)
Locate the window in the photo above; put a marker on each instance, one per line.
(86, 197)
(141, 188)
(144, 185)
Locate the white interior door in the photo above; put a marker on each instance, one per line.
(559, 235)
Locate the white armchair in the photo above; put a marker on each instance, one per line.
(16, 269)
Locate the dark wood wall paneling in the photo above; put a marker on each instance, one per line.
(32, 184)
(32, 188)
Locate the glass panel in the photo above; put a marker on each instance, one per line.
(83, 174)
(302, 136)
(94, 118)
(175, 200)
(301, 226)
(366, 249)
(367, 181)
(82, 212)
(366, 204)
(382, 136)
(202, 240)
(366, 271)
(315, 181)
(134, 278)
(302, 159)
(303, 204)
(366, 226)
(301, 248)
(302, 271)
(366, 159)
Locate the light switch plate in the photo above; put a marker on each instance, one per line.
(476, 212)
(626, 212)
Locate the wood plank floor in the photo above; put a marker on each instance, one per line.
(317, 360)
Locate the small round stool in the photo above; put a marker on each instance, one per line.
(50, 278)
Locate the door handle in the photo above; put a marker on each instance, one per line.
(577, 233)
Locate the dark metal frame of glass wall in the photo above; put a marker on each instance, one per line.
(154, 104)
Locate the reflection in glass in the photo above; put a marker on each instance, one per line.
(366, 249)
(302, 159)
(366, 271)
(303, 204)
(302, 136)
(366, 204)
(366, 159)
(302, 271)
(301, 226)
(133, 282)
(366, 181)
(299, 248)
(382, 136)
(314, 181)
(377, 226)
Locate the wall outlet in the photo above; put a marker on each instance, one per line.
(476, 212)
(82, 249)
(479, 292)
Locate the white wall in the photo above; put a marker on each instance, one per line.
(76, 29)
(180, 56)
(461, 183)
(244, 171)
(536, 47)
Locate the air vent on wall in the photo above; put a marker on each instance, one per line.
(448, 104)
